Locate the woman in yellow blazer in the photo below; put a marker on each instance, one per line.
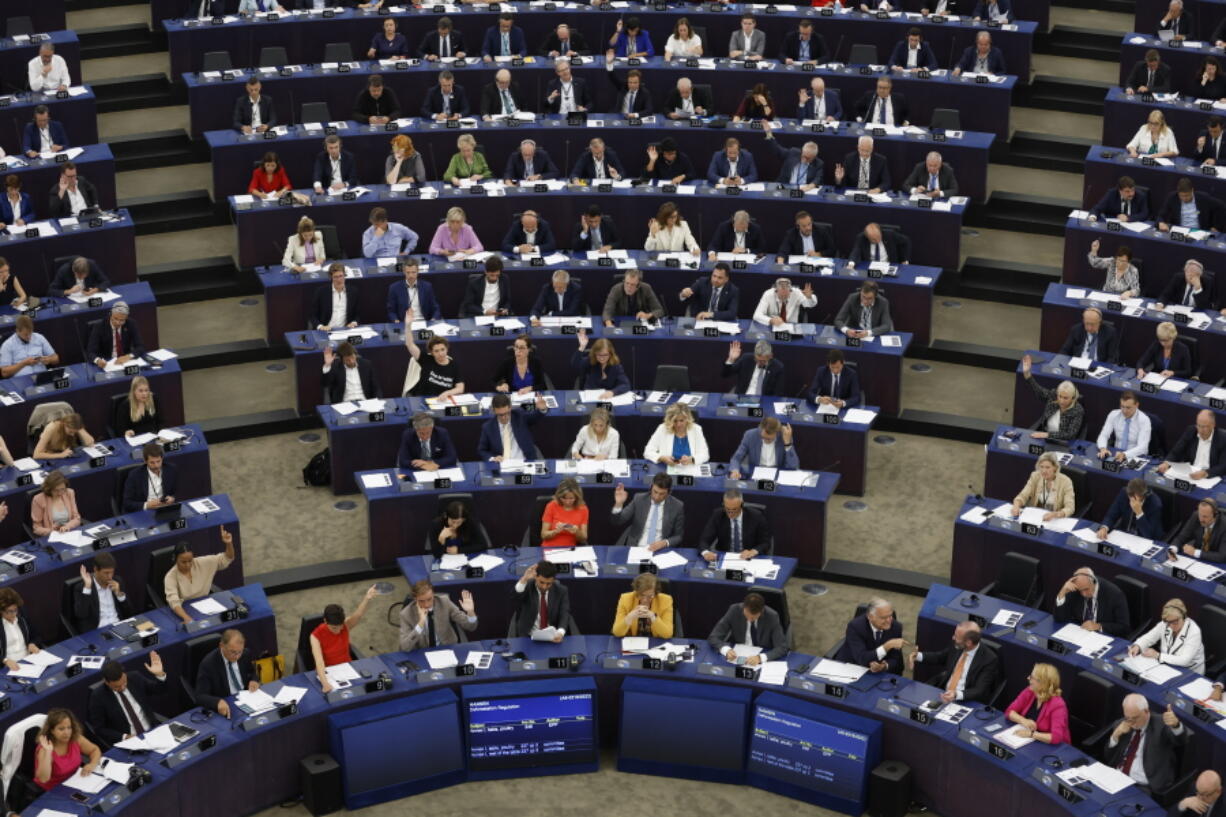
(1047, 488)
(644, 610)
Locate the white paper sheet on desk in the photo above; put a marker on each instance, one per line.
(1135, 226)
(634, 643)
(774, 673)
(161, 355)
(454, 474)
(342, 672)
(441, 659)
(72, 538)
(208, 607)
(690, 470)
(1064, 525)
(737, 256)
(1196, 569)
(618, 468)
(289, 695)
(593, 255)
(760, 472)
(1006, 618)
(547, 634)
(42, 658)
(372, 405)
(452, 561)
(114, 770)
(582, 321)
(1110, 780)
(583, 553)
(827, 408)
(623, 399)
(16, 557)
(634, 555)
(837, 670)
(380, 480)
(1132, 543)
(1079, 215)
(29, 671)
(345, 408)
(858, 415)
(11, 398)
(976, 516)
(486, 561)
(669, 559)
(107, 296)
(1174, 385)
(90, 784)
(346, 334)
(256, 702)
(1009, 737)
(1183, 470)
(891, 340)
(1088, 534)
(113, 368)
(794, 479)
(723, 327)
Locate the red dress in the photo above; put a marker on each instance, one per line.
(260, 181)
(334, 646)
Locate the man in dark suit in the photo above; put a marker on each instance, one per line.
(503, 40)
(444, 41)
(734, 528)
(1125, 202)
(876, 244)
(529, 233)
(509, 427)
(336, 305)
(204, 8)
(819, 103)
(539, 588)
(835, 384)
(488, 293)
(563, 41)
(598, 162)
(714, 297)
(99, 601)
(446, 100)
(72, 194)
(738, 234)
(335, 169)
(42, 135)
(1134, 510)
(1146, 747)
(1205, 799)
(1194, 288)
(354, 379)
(226, 671)
(633, 98)
(874, 640)
(1094, 603)
(1149, 76)
(656, 519)
(760, 374)
(1190, 208)
(1093, 338)
(501, 97)
(567, 93)
(120, 707)
(115, 339)
(251, 104)
(732, 166)
(376, 104)
(80, 276)
(799, 167)
(412, 293)
(864, 313)
(1202, 446)
(913, 53)
(152, 486)
(970, 668)
(981, 58)
(686, 100)
(767, 446)
(803, 239)
(1177, 20)
(1203, 535)
(749, 624)
(425, 446)
(885, 106)
(803, 45)
(594, 231)
(932, 177)
(863, 169)
(1209, 143)
(561, 297)
(529, 164)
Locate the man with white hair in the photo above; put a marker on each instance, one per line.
(1092, 338)
(116, 339)
(800, 167)
(1093, 603)
(738, 234)
(1194, 288)
(501, 97)
(566, 93)
(874, 640)
(686, 101)
(1144, 747)
(1177, 20)
(863, 169)
(529, 164)
(48, 71)
(1205, 799)
(781, 303)
(932, 177)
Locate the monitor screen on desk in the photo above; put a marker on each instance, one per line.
(531, 725)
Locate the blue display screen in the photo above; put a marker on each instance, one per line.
(808, 753)
(674, 729)
(531, 730)
(370, 764)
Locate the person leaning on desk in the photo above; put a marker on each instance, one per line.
(17, 640)
(644, 611)
(192, 577)
(54, 508)
(1202, 446)
(425, 446)
(452, 533)
(1099, 605)
(1040, 709)
(749, 623)
(733, 528)
(1177, 638)
(1048, 489)
(1167, 355)
(226, 671)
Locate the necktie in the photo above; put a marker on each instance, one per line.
(753, 633)
(714, 299)
(866, 317)
(877, 634)
(1205, 539)
(445, 46)
(783, 311)
(544, 614)
(736, 535)
(1127, 207)
(137, 727)
(235, 682)
(447, 104)
(932, 181)
(1150, 84)
(630, 101)
(881, 110)
(598, 165)
(819, 104)
(864, 174)
(595, 234)
(1187, 296)
(564, 47)
(1127, 442)
(956, 676)
(506, 45)
(653, 523)
(433, 632)
(1131, 754)
(508, 107)
(804, 49)
(118, 344)
(1092, 346)
(834, 387)
(425, 449)
(877, 251)
(798, 174)
(1088, 611)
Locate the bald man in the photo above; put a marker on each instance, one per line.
(1205, 799)
(932, 177)
(1092, 338)
(1202, 446)
(971, 669)
(501, 97)
(1145, 747)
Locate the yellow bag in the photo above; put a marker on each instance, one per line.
(270, 668)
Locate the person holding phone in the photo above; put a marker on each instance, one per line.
(564, 522)
(644, 611)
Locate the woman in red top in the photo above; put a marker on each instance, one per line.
(59, 749)
(269, 180)
(564, 523)
(1039, 709)
(330, 640)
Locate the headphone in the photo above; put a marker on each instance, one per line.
(1178, 606)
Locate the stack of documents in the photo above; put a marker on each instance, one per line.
(342, 675)
(1089, 644)
(1183, 470)
(837, 671)
(1151, 669)
(160, 740)
(1196, 569)
(208, 607)
(755, 569)
(664, 559)
(454, 474)
(32, 665)
(1110, 780)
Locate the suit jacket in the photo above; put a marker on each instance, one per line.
(243, 110)
(789, 158)
(428, 47)
(731, 631)
(725, 238)
(1184, 25)
(980, 679)
(211, 683)
(850, 313)
(442, 450)
(490, 444)
(1209, 210)
(618, 303)
(323, 170)
(1052, 717)
(924, 59)
(1185, 449)
(1207, 152)
(515, 236)
(755, 530)
(1160, 752)
(862, 249)
(1108, 342)
(919, 178)
(106, 713)
(136, 490)
(1110, 205)
(86, 609)
(101, 342)
(791, 47)
(1112, 609)
(191, 8)
(608, 234)
(834, 106)
(634, 513)
(642, 97)
(1191, 533)
(61, 206)
(1180, 360)
(793, 243)
(1064, 498)
(865, 106)
(1175, 288)
(491, 44)
(700, 95)
(491, 99)
(585, 168)
(449, 619)
(30, 140)
(333, 381)
(860, 644)
(745, 168)
(474, 293)
(849, 386)
(25, 210)
(65, 280)
(547, 301)
(1139, 77)
(1218, 809)
(757, 42)
(878, 171)
(552, 43)
(24, 624)
(1120, 516)
(583, 94)
(398, 301)
(743, 366)
(981, 9)
(433, 103)
(321, 306)
(661, 605)
(996, 60)
(726, 307)
(748, 454)
(528, 607)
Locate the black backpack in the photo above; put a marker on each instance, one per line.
(319, 470)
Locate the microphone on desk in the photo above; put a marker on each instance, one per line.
(977, 496)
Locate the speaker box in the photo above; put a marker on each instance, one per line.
(889, 789)
(320, 776)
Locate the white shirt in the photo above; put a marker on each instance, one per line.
(256, 121)
(645, 538)
(337, 176)
(145, 723)
(806, 243)
(568, 98)
(15, 642)
(767, 458)
(107, 614)
(155, 487)
(353, 384)
(46, 145)
(877, 252)
(587, 445)
(598, 168)
(1053, 423)
(489, 300)
(768, 305)
(57, 76)
(755, 387)
(912, 57)
(1201, 461)
(530, 237)
(732, 167)
(1143, 140)
(338, 308)
(881, 649)
(76, 200)
(1183, 650)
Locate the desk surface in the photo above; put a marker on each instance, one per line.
(77, 113)
(1123, 115)
(1105, 165)
(112, 245)
(38, 176)
(63, 322)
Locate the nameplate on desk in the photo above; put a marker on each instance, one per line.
(329, 14)
(428, 676)
(826, 11)
(817, 127)
(734, 575)
(634, 61)
(860, 198)
(1181, 237)
(1105, 549)
(669, 189)
(604, 478)
(1149, 161)
(1031, 529)
(4, 103)
(732, 190)
(865, 70)
(442, 483)
(1173, 43)
(1057, 646)
(850, 341)
(646, 566)
(180, 756)
(672, 262)
(1110, 465)
(272, 716)
(766, 485)
(981, 79)
(1180, 317)
(685, 479)
(640, 329)
(1208, 170)
(785, 337)
(32, 233)
(924, 73)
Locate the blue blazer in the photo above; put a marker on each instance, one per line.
(398, 302)
(834, 106)
(729, 299)
(25, 210)
(849, 386)
(547, 302)
(30, 140)
(492, 43)
(323, 169)
(1180, 362)
(996, 60)
(614, 379)
(136, 487)
(749, 453)
(442, 450)
(1120, 516)
(981, 9)
(790, 158)
(1110, 205)
(860, 647)
(745, 167)
(490, 444)
(925, 58)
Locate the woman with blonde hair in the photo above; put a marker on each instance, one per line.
(138, 413)
(669, 232)
(564, 521)
(1048, 489)
(1167, 355)
(644, 611)
(1155, 138)
(1175, 639)
(598, 440)
(599, 367)
(306, 246)
(455, 236)
(404, 164)
(1063, 416)
(467, 163)
(1039, 709)
(678, 440)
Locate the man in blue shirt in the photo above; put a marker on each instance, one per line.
(384, 239)
(26, 351)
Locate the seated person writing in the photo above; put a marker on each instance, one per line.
(644, 611)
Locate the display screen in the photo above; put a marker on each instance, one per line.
(531, 730)
(674, 729)
(808, 753)
(369, 765)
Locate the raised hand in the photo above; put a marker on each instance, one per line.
(734, 350)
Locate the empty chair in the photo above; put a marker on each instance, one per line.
(671, 378)
(121, 479)
(273, 55)
(1193, 345)
(1018, 581)
(862, 54)
(315, 112)
(338, 52)
(946, 119)
(67, 618)
(1136, 594)
(998, 690)
(1081, 490)
(332, 241)
(1212, 621)
(1167, 496)
(1092, 707)
(1157, 435)
(18, 25)
(216, 61)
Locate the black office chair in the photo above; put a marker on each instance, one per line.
(532, 535)
(862, 54)
(273, 55)
(315, 112)
(903, 241)
(945, 118)
(338, 52)
(777, 601)
(1136, 594)
(121, 479)
(84, 330)
(161, 561)
(701, 33)
(304, 661)
(671, 378)
(1193, 345)
(1091, 710)
(117, 403)
(393, 617)
(1213, 628)
(1019, 581)
(216, 61)
(24, 25)
(28, 522)
(834, 651)
(198, 649)
(700, 88)
(998, 690)
(1157, 435)
(67, 618)
(22, 790)
(1081, 490)
(760, 508)
(1167, 497)
(332, 241)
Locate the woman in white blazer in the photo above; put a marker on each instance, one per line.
(668, 232)
(304, 247)
(678, 440)
(1174, 640)
(1155, 138)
